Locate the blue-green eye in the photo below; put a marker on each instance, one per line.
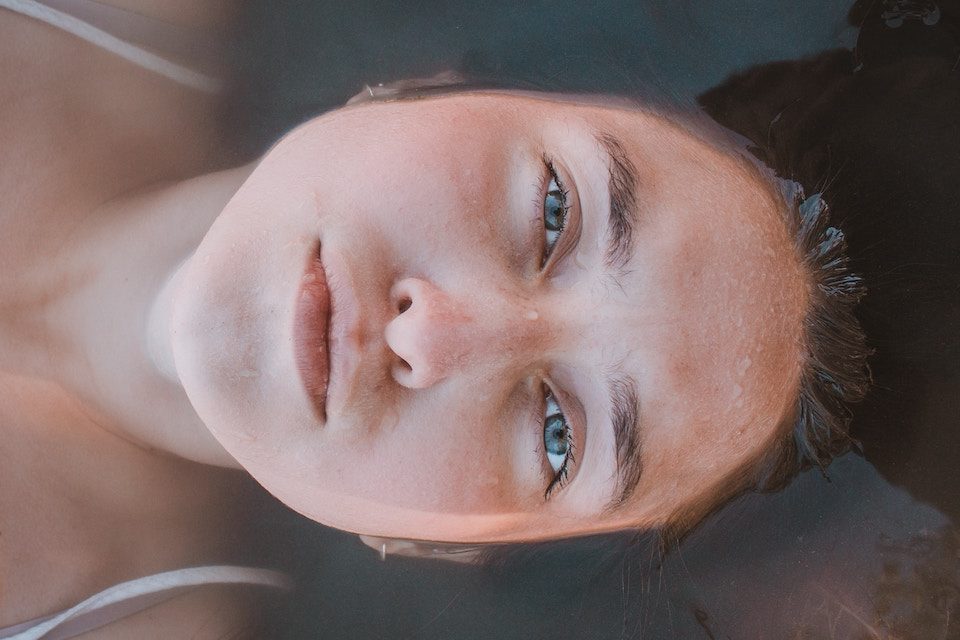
(557, 440)
(555, 210)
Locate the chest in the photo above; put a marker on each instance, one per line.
(79, 126)
(81, 509)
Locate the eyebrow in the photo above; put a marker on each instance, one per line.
(622, 221)
(622, 186)
(625, 418)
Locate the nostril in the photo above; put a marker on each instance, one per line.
(404, 304)
(403, 372)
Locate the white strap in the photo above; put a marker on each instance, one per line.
(152, 62)
(156, 585)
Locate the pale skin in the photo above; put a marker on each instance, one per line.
(434, 435)
(67, 532)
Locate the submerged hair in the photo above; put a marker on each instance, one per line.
(835, 373)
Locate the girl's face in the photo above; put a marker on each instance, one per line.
(548, 318)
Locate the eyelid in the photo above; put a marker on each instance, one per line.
(566, 404)
(570, 237)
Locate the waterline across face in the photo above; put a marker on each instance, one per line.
(493, 342)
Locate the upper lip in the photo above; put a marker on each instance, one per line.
(311, 332)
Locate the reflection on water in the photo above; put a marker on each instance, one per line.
(918, 592)
(852, 557)
(866, 550)
(302, 58)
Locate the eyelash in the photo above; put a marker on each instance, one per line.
(562, 195)
(560, 477)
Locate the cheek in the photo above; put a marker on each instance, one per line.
(428, 186)
(438, 459)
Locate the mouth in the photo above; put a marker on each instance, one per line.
(311, 333)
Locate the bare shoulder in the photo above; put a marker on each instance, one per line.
(214, 612)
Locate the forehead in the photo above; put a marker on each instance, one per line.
(714, 321)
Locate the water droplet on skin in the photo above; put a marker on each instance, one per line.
(309, 277)
(489, 480)
(531, 315)
(743, 365)
(736, 396)
(577, 260)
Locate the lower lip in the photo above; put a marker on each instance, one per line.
(310, 334)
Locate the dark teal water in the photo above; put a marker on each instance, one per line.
(867, 110)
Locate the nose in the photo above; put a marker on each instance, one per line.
(437, 333)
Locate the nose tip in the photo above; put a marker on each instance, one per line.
(427, 334)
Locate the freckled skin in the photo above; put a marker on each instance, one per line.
(438, 201)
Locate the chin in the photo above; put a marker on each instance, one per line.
(232, 318)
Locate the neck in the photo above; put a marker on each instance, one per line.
(92, 315)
